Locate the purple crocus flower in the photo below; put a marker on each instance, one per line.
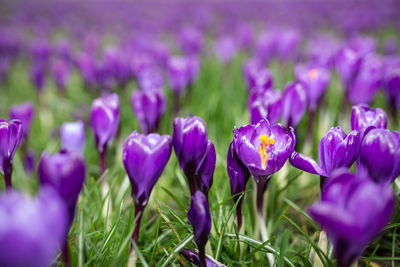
(368, 80)
(148, 106)
(238, 177)
(392, 84)
(379, 155)
(193, 257)
(10, 138)
(195, 152)
(65, 172)
(73, 136)
(348, 63)
(61, 74)
(86, 66)
(294, 103)
(362, 117)
(353, 211)
(336, 150)
(191, 40)
(193, 68)
(104, 119)
(265, 46)
(199, 216)
(150, 79)
(225, 49)
(363, 45)
(37, 76)
(316, 80)
(32, 229)
(144, 158)
(24, 113)
(260, 79)
(29, 161)
(287, 44)
(263, 149)
(244, 35)
(251, 66)
(178, 74)
(267, 104)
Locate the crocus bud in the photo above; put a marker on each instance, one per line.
(199, 216)
(24, 113)
(10, 138)
(150, 78)
(205, 172)
(249, 67)
(86, 65)
(32, 229)
(104, 119)
(294, 103)
(193, 257)
(379, 156)
(392, 83)
(73, 136)
(362, 116)
(238, 177)
(348, 63)
(336, 150)
(193, 65)
(29, 161)
(65, 172)
(148, 106)
(144, 158)
(263, 148)
(368, 80)
(267, 105)
(316, 80)
(190, 142)
(178, 74)
(342, 213)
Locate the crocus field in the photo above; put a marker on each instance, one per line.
(191, 133)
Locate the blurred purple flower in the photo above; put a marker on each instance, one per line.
(368, 80)
(32, 229)
(316, 80)
(191, 40)
(348, 64)
(225, 49)
(73, 136)
(294, 103)
(265, 105)
(353, 211)
(178, 74)
(24, 113)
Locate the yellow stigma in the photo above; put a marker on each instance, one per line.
(266, 141)
(313, 73)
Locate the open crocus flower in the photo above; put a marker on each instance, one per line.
(195, 152)
(31, 229)
(266, 104)
(10, 138)
(379, 155)
(336, 150)
(263, 149)
(353, 211)
(144, 158)
(148, 106)
(73, 136)
(362, 116)
(294, 103)
(316, 80)
(104, 119)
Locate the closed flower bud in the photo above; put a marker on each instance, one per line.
(24, 113)
(73, 136)
(199, 216)
(294, 103)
